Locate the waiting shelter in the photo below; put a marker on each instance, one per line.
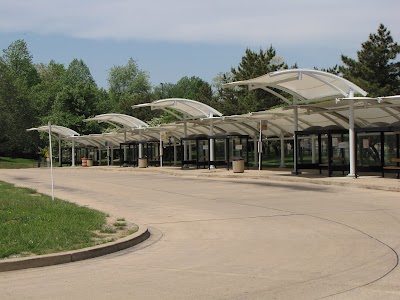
(322, 148)
(61, 133)
(378, 146)
(230, 146)
(123, 123)
(185, 110)
(197, 147)
(306, 86)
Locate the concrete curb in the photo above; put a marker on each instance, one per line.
(76, 255)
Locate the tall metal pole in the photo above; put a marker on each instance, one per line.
(296, 128)
(212, 154)
(185, 144)
(73, 152)
(352, 151)
(140, 144)
(282, 150)
(175, 152)
(125, 152)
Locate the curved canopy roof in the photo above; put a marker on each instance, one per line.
(303, 84)
(280, 120)
(118, 120)
(62, 131)
(189, 108)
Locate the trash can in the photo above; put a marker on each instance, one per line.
(89, 162)
(238, 165)
(84, 162)
(142, 162)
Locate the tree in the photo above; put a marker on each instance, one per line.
(17, 112)
(77, 100)
(19, 61)
(377, 69)
(51, 84)
(193, 88)
(128, 85)
(252, 65)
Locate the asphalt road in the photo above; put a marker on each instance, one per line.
(222, 238)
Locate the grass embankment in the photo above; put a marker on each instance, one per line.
(16, 163)
(33, 224)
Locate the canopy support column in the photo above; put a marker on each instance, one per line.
(212, 154)
(59, 151)
(112, 154)
(175, 152)
(140, 145)
(282, 165)
(185, 144)
(73, 153)
(125, 152)
(255, 143)
(352, 152)
(296, 128)
(108, 155)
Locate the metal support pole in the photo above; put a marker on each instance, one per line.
(185, 142)
(212, 153)
(255, 151)
(59, 151)
(112, 154)
(125, 152)
(352, 151)
(175, 153)
(108, 155)
(295, 128)
(282, 165)
(140, 145)
(73, 153)
(313, 156)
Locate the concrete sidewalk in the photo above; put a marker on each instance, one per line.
(366, 181)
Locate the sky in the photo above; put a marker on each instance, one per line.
(176, 38)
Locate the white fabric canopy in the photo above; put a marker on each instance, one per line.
(303, 84)
(120, 120)
(189, 108)
(62, 131)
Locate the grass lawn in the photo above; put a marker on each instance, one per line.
(16, 163)
(32, 223)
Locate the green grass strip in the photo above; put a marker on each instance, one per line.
(17, 163)
(32, 223)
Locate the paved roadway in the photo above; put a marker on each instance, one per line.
(216, 238)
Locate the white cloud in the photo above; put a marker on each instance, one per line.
(251, 22)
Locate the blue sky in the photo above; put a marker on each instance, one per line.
(176, 38)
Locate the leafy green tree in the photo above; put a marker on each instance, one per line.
(51, 84)
(19, 61)
(227, 101)
(17, 112)
(252, 65)
(77, 100)
(164, 91)
(377, 69)
(128, 85)
(193, 88)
